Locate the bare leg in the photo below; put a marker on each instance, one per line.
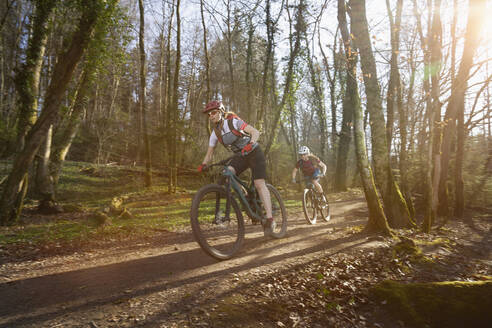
(232, 169)
(264, 196)
(318, 187)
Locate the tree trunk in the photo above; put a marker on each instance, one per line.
(430, 169)
(293, 131)
(168, 99)
(208, 91)
(460, 153)
(395, 100)
(173, 176)
(344, 142)
(249, 69)
(394, 204)
(394, 80)
(233, 102)
(143, 94)
(60, 78)
(27, 79)
(377, 220)
(205, 50)
(65, 135)
(476, 15)
(435, 126)
(44, 182)
(319, 100)
(332, 81)
(267, 67)
(299, 31)
(457, 99)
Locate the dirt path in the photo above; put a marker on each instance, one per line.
(147, 283)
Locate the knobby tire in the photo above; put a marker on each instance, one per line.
(309, 206)
(208, 234)
(279, 212)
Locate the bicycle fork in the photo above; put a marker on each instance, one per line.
(219, 219)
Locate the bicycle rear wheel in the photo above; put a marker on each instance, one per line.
(219, 236)
(309, 206)
(279, 213)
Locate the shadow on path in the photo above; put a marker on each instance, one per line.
(58, 294)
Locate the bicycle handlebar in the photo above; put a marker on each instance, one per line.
(223, 162)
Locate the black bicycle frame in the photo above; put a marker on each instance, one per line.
(234, 183)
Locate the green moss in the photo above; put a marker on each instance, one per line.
(442, 242)
(408, 250)
(356, 229)
(439, 304)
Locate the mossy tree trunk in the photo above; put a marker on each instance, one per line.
(61, 77)
(452, 304)
(27, 88)
(65, 135)
(395, 205)
(44, 182)
(27, 78)
(377, 219)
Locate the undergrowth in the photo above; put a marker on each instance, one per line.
(86, 192)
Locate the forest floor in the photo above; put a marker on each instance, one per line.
(317, 276)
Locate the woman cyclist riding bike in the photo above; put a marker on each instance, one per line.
(241, 138)
(310, 166)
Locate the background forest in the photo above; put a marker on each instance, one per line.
(394, 96)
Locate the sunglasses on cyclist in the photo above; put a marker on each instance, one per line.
(213, 112)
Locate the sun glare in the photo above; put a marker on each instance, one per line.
(487, 27)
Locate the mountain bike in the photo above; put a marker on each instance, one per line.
(216, 217)
(313, 204)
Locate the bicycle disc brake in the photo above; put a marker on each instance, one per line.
(221, 219)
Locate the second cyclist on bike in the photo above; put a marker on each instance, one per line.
(312, 169)
(241, 138)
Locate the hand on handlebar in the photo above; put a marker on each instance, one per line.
(247, 149)
(202, 168)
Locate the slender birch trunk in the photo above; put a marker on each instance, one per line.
(394, 204)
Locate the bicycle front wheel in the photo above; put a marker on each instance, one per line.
(324, 209)
(279, 213)
(218, 234)
(309, 206)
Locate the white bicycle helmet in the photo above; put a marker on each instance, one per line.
(303, 150)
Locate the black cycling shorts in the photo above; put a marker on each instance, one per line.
(254, 160)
